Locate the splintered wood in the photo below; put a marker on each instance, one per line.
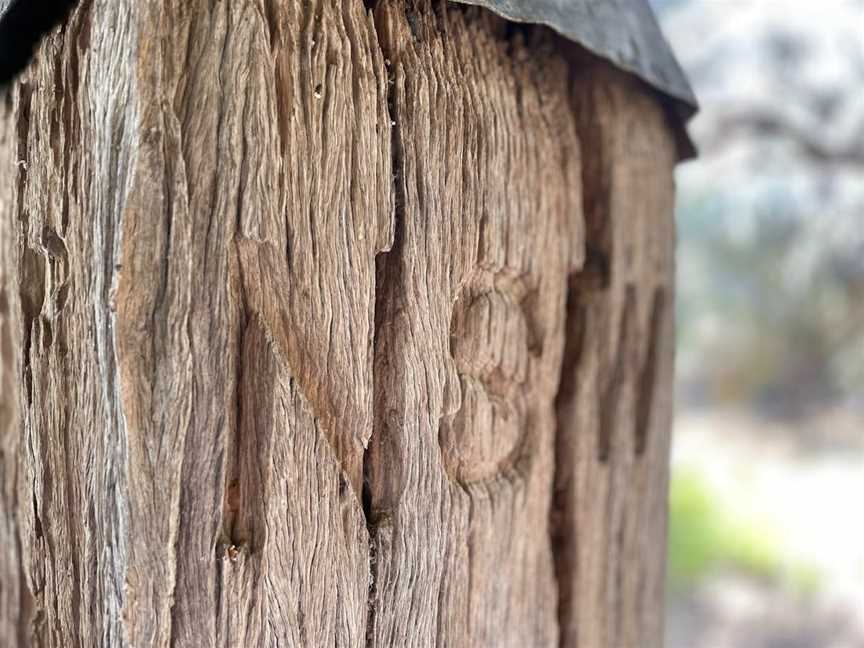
(325, 325)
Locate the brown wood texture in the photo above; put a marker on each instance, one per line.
(331, 325)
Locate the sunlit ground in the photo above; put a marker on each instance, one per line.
(766, 537)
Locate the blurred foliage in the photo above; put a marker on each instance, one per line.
(703, 538)
(706, 536)
(770, 311)
(772, 305)
(771, 215)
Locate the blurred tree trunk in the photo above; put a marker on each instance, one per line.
(322, 326)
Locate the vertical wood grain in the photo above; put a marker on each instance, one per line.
(331, 324)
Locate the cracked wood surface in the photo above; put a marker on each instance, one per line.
(325, 325)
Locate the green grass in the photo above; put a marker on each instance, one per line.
(706, 536)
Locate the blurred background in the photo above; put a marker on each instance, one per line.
(767, 499)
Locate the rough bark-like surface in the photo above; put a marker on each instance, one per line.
(14, 595)
(615, 399)
(470, 334)
(325, 326)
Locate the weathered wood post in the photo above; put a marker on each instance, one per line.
(331, 324)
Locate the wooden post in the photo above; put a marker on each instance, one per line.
(325, 326)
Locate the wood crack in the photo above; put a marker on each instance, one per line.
(563, 503)
(622, 365)
(648, 375)
(387, 268)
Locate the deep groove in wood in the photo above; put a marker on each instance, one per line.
(563, 506)
(621, 367)
(648, 378)
(386, 271)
